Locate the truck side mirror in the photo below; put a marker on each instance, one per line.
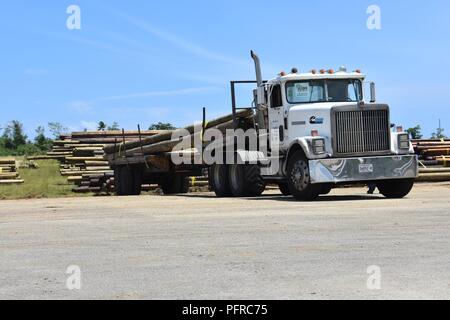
(373, 97)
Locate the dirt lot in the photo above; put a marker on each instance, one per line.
(198, 246)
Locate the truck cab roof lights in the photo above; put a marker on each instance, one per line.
(331, 71)
(357, 71)
(313, 71)
(282, 73)
(294, 70)
(322, 71)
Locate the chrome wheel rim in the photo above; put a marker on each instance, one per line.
(300, 175)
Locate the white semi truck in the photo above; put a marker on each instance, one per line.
(321, 130)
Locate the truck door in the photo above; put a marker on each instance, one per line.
(278, 133)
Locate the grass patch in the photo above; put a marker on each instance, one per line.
(43, 182)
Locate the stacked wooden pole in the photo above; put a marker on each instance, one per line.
(434, 157)
(164, 142)
(81, 156)
(8, 172)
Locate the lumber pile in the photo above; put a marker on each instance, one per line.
(81, 156)
(8, 172)
(163, 143)
(434, 159)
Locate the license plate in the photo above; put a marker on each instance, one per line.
(365, 168)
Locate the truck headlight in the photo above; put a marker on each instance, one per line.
(403, 141)
(318, 146)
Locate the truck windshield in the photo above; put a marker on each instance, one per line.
(311, 91)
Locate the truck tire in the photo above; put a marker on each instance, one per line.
(173, 184)
(126, 182)
(284, 188)
(254, 181)
(117, 184)
(245, 180)
(299, 179)
(219, 180)
(137, 180)
(395, 189)
(326, 189)
(185, 184)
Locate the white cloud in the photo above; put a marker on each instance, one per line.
(181, 43)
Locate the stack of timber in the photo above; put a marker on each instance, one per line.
(81, 156)
(163, 143)
(8, 172)
(434, 159)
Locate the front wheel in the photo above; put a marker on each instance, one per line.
(299, 181)
(395, 189)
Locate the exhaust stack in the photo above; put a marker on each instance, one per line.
(257, 68)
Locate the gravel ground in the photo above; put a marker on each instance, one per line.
(200, 247)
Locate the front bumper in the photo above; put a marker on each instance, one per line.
(363, 169)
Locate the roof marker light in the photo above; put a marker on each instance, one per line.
(322, 71)
(331, 71)
(313, 71)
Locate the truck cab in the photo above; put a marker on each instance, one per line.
(327, 133)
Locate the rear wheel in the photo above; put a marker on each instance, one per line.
(299, 179)
(174, 183)
(245, 180)
(137, 181)
(395, 189)
(124, 181)
(219, 180)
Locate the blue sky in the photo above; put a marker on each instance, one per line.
(148, 61)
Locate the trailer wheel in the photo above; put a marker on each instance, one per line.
(126, 182)
(299, 179)
(395, 189)
(174, 183)
(117, 184)
(219, 180)
(185, 184)
(284, 188)
(137, 180)
(254, 182)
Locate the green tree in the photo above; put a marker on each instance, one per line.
(161, 126)
(415, 132)
(18, 136)
(101, 126)
(57, 129)
(439, 134)
(114, 127)
(41, 141)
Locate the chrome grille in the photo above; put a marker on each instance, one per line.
(362, 131)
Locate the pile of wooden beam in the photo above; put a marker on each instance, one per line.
(163, 143)
(8, 172)
(81, 156)
(434, 159)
